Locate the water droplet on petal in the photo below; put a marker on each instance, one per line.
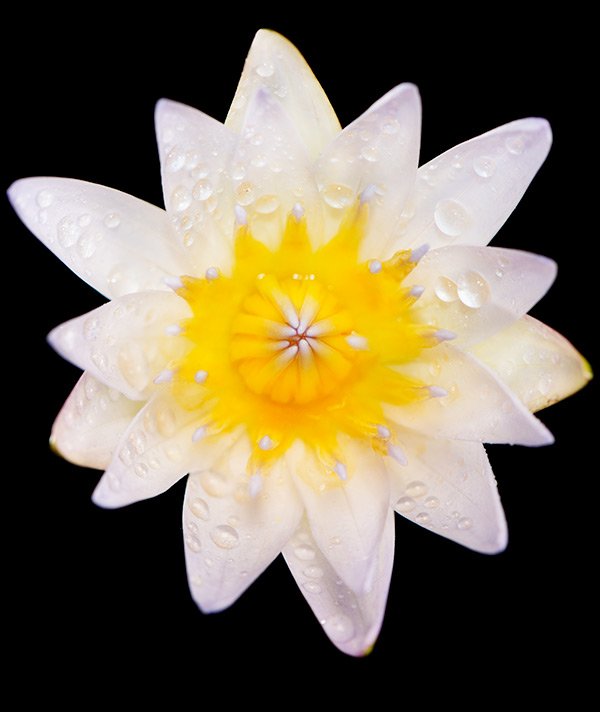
(405, 504)
(416, 489)
(244, 193)
(423, 518)
(67, 232)
(473, 290)
(313, 571)
(265, 69)
(304, 552)
(266, 204)
(181, 199)
(370, 153)
(200, 508)
(445, 289)
(193, 542)
(175, 161)
(202, 190)
(225, 537)
(451, 217)
(214, 484)
(515, 145)
(337, 196)
(484, 166)
(112, 221)
(44, 198)
(464, 523)
(432, 502)
(339, 628)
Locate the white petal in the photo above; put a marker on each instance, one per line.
(347, 519)
(231, 538)
(155, 451)
(123, 343)
(116, 243)
(449, 488)
(538, 364)
(194, 152)
(351, 621)
(376, 154)
(477, 406)
(477, 291)
(270, 170)
(465, 195)
(91, 423)
(275, 64)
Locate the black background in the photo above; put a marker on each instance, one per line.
(100, 596)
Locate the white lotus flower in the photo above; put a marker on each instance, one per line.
(281, 334)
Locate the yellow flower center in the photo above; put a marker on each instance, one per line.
(301, 343)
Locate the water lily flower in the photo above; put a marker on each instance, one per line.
(314, 331)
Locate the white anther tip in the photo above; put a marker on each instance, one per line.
(266, 443)
(211, 273)
(173, 282)
(368, 193)
(375, 266)
(241, 216)
(444, 335)
(397, 453)
(420, 252)
(198, 434)
(357, 342)
(298, 211)
(384, 432)
(417, 291)
(200, 376)
(340, 470)
(437, 392)
(255, 485)
(173, 330)
(165, 376)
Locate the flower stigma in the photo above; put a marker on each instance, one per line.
(301, 343)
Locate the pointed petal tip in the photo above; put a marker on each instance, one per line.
(104, 498)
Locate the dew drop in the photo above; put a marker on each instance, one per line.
(405, 504)
(390, 126)
(304, 552)
(238, 171)
(473, 290)
(214, 484)
(44, 198)
(266, 204)
(484, 166)
(313, 571)
(140, 469)
(312, 587)
(90, 328)
(445, 289)
(432, 502)
(175, 161)
(369, 153)
(181, 199)
(225, 537)
(451, 217)
(339, 628)
(515, 145)
(265, 69)
(112, 221)
(193, 543)
(337, 196)
(464, 523)
(200, 508)
(423, 518)
(416, 489)
(84, 220)
(202, 190)
(87, 243)
(67, 232)
(244, 193)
